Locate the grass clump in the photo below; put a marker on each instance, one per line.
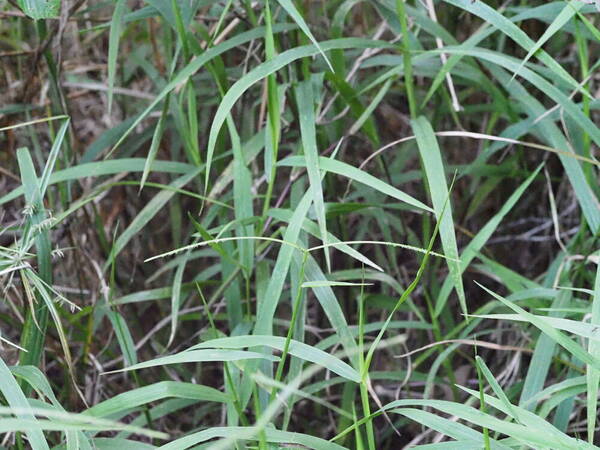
(276, 224)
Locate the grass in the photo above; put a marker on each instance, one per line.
(284, 224)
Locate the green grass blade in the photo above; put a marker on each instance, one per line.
(581, 329)
(593, 374)
(271, 435)
(273, 125)
(155, 144)
(548, 88)
(40, 9)
(122, 403)
(44, 290)
(16, 399)
(497, 20)
(305, 99)
(120, 443)
(176, 296)
(146, 214)
(551, 331)
(108, 167)
(583, 191)
(478, 242)
(533, 421)
(194, 66)
(268, 305)
(36, 380)
(34, 330)
(542, 358)
(366, 363)
(242, 200)
(62, 421)
(557, 24)
(196, 356)
(29, 177)
(436, 177)
(124, 337)
(49, 168)
(360, 176)
(310, 227)
(180, 27)
(297, 349)
(264, 70)
(297, 17)
(489, 376)
(116, 26)
(469, 438)
(545, 436)
(332, 309)
(250, 433)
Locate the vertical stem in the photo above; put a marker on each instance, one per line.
(237, 404)
(364, 391)
(262, 438)
(288, 338)
(437, 334)
(364, 397)
(181, 30)
(408, 74)
(272, 131)
(36, 321)
(482, 407)
(583, 53)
